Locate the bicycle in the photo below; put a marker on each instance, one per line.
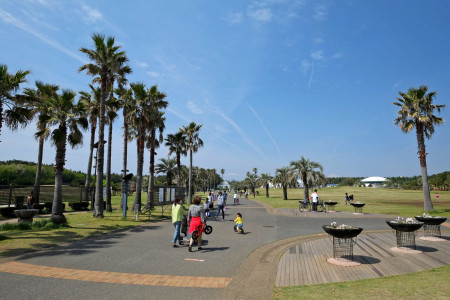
(303, 206)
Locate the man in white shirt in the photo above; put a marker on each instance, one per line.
(315, 200)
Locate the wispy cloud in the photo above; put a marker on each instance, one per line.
(194, 108)
(260, 14)
(321, 12)
(10, 19)
(317, 55)
(153, 74)
(311, 76)
(338, 55)
(242, 134)
(179, 115)
(234, 18)
(265, 129)
(91, 15)
(141, 64)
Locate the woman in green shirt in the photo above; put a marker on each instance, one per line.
(177, 216)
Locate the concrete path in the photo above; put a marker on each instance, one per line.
(140, 263)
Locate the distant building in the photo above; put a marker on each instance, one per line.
(374, 181)
(224, 185)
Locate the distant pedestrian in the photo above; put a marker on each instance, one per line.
(220, 206)
(347, 199)
(178, 212)
(197, 221)
(235, 199)
(30, 200)
(315, 200)
(206, 207)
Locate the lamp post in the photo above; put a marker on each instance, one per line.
(95, 174)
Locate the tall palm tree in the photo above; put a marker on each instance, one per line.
(265, 180)
(285, 177)
(193, 142)
(252, 180)
(417, 111)
(124, 95)
(177, 144)
(308, 171)
(112, 106)
(91, 103)
(105, 58)
(9, 85)
(37, 100)
(222, 171)
(155, 136)
(167, 166)
(68, 116)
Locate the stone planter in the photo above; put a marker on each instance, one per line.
(431, 220)
(26, 215)
(431, 228)
(345, 233)
(358, 207)
(404, 227)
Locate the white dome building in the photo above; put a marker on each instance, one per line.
(374, 181)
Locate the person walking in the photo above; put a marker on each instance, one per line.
(220, 206)
(30, 200)
(315, 200)
(197, 221)
(347, 199)
(178, 212)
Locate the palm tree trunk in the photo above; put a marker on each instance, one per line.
(108, 169)
(179, 174)
(267, 190)
(190, 175)
(100, 155)
(60, 158)
(125, 150)
(305, 187)
(427, 204)
(140, 163)
(151, 179)
(87, 183)
(37, 182)
(285, 193)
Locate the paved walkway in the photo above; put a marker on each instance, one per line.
(139, 262)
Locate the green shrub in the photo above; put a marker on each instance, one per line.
(39, 224)
(24, 226)
(7, 212)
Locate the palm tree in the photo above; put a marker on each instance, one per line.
(265, 179)
(156, 125)
(285, 177)
(193, 142)
(37, 100)
(309, 171)
(167, 166)
(177, 143)
(222, 171)
(9, 85)
(105, 58)
(252, 180)
(91, 103)
(112, 106)
(416, 111)
(67, 116)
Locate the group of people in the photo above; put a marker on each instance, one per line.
(197, 216)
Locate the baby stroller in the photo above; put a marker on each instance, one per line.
(207, 230)
(184, 227)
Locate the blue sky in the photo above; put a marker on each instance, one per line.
(269, 80)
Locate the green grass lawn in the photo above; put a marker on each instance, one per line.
(81, 225)
(405, 203)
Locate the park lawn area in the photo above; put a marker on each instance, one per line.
(81, 225)
(429, 284)
(405, 203)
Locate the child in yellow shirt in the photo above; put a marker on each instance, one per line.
(239, 223)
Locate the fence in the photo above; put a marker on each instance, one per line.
(9, 193)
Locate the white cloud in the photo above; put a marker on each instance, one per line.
(305, 65)
(338, 55)
(317, 55)
(321, 12)
(92, 15)
(153, 74)
(234, 18)
(10, 19)
(194, 108)
(142, 64)
(261, 14)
